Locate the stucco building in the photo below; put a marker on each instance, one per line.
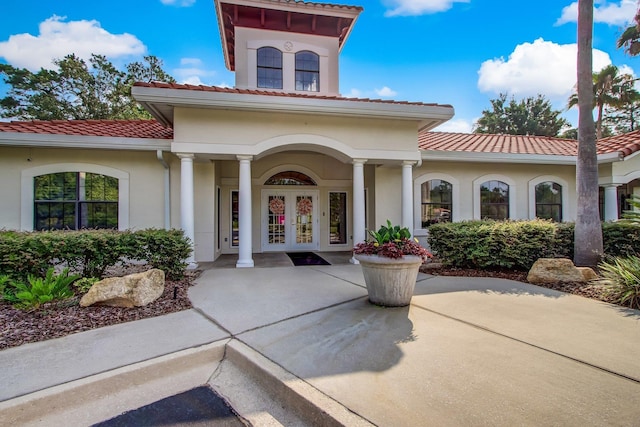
(282, 161)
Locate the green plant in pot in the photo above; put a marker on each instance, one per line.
(390, 261)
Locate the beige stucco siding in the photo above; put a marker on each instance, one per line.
(627, 170)
(253, 133)
(519, 176)
(144, 172)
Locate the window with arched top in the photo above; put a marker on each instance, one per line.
(494, 200)
(436, 201)
(307, 71)
(549, 201)
(290, 178)
(269, 68)
(75, 200)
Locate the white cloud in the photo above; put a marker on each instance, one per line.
(386, 92)
(193, 72)
(540, 67)
(180, 3)
(58, 39)
(603, 12)
(419, 7)
(455, 125)
(353, 93)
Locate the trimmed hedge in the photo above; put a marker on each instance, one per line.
(91, 252)
(518, 244)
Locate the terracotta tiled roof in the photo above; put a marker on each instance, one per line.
(110, 128)
(162, 85)
(626, 144)
(491, 143)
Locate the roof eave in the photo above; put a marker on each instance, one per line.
(466, 156)
(428, 116)
(22, 139)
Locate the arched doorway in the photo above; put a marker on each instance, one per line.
(289, 212)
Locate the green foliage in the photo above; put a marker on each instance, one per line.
(389, 233)
(77, 90)
(632, 216)
(492, 244)
(91, 252)
(517, 244)
(530, 116)
(40, 290)
(621, 276)
(84, 284)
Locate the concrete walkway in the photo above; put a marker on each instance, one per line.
(467, 352)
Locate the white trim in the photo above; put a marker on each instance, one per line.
(532, 194)
(477, 183)
(428, 116)
(81, 141)
(27, 195)
(259, 181)
(417, 196)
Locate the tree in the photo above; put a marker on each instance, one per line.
(624, 114)
(630, 38)
(609, 89)
(530, 116)
(588, 248)
(75, 90)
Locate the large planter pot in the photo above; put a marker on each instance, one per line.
(390, 282)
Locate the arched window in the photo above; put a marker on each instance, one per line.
(290, 178)
(269, 68)
(436, 200)
(307, 71)
(549, 201)
(494, 200)
(75, 200)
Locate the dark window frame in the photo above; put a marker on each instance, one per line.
(307, 71)
(487, 189)
(446, 208)
(549, 206)
(78, 212)
(269, 68)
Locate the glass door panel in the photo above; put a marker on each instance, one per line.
(276, 223)
(304, 220)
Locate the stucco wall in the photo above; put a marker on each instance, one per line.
(519, 174)
(627, 170)
(145, 175)
(233, 132)
(248, 40)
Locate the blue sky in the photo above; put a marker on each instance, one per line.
(458, 52)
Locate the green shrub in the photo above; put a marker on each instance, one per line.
(91, 252)
(492, 244)
(40, 290)
(621, 276)
(84, 284)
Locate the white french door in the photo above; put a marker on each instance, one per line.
(289, 220)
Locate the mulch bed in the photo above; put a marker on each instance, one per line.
(57, 319)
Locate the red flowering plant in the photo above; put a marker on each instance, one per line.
(392, 242)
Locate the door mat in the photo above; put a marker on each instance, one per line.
(306, 258)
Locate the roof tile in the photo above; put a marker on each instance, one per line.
(109, 128)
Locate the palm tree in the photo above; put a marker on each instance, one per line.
(588, 247)
(630, 38)
(607, 83)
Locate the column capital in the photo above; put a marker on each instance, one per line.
(359, 161)
(609, 185)
(409, 163)
(241, 158)
(186, 155)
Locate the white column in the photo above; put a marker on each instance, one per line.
(187, 216)
(611, 202)
(407, 195)
(359, 232)
(245, 256)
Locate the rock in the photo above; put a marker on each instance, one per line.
(134, 290)
(554, 270)
(588, 273)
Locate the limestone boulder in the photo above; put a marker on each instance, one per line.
(555, 270)
(588, 273)
(134, 290)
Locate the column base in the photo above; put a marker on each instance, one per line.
(244, 263)
(192, 265)
(354, 261)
